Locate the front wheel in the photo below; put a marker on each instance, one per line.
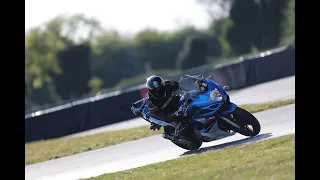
(249, 125)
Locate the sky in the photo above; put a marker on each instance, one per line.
(126, 16)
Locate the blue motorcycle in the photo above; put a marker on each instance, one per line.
(209, 114)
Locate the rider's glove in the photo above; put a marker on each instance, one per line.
(154, 126)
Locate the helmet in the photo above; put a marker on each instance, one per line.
(156, 87)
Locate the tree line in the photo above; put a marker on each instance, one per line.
(61, 63)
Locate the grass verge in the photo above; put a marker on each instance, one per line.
(268, 159)
(44, 150)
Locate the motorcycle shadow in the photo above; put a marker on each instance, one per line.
(225, 145)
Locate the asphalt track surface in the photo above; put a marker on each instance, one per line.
(274, 122)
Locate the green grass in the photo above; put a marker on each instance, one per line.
(252, 108)
(44, 150)
(268, 159)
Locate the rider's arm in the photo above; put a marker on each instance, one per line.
(159, 114)
(174, 85)
(155, 111)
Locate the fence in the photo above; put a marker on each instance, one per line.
(114, 107)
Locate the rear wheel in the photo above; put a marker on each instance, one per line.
(249, 125)
(190, 141)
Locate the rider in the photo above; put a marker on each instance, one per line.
(162, 103)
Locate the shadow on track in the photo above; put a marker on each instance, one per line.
(233, 143)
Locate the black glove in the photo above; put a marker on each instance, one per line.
(154, 126)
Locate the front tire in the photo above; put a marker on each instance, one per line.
(245, 119)
(192, 141)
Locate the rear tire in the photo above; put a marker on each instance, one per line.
(244, 118)
(193, 142)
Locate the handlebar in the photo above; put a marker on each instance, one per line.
(196, 77)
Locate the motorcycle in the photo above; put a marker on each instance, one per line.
(209, 115)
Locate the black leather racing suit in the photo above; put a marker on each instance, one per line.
(166, 107)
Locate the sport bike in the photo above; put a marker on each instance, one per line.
(208, 115)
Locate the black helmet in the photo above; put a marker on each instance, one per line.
(156, 87)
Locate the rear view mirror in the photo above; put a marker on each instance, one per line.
(226, 87)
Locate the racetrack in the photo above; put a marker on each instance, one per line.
(270, 91)
(274, 123)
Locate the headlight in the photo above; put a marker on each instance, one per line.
(219, 97)
(215, 95)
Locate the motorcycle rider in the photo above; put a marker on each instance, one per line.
(163, 104)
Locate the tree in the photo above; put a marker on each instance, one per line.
(217, 9)
(193, 53)
(115, 61)
(41, 47)
(219, 30)
(75, 63)
(288, 23)
(271, 18)
(156, 48)
(40, 63)
(245, 26)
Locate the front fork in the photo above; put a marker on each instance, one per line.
(229, 122)
(226, 113)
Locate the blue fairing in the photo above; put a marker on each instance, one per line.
(201, 106)
(232, 107)
(206, 107)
